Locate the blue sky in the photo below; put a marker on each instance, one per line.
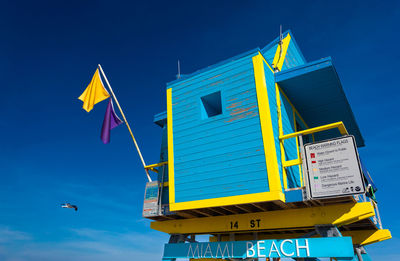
(50, 151)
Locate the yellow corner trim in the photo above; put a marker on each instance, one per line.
(226, 201)
(280, 219)
(264, 111)
(171, 178)
(280, 54)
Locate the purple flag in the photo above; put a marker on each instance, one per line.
(110, 121)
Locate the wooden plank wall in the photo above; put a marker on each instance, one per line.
(222, 155)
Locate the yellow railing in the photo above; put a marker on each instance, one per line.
(339, 125)
(288, 163)
(153, 166)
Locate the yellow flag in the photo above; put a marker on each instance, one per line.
(94, 93)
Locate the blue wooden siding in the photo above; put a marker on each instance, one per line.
(301, 123)
(293, 56)
(222, 155)
(273, 106)
(164, 145)
(163, 156)
(163, 170)
(288, 126)
(269, 52)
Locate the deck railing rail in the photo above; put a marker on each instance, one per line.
(301, 157)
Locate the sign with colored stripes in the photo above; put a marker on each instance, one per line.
(334, 168)
(339, 247)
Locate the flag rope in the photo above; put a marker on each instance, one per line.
(126, 122)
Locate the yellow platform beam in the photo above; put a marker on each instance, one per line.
(366, 237)
(340, 214)
(360, 237)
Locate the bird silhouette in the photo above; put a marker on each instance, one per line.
(68, 205)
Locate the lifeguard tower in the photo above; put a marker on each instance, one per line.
(260, 152)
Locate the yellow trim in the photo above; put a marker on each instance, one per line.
(339, 214)
(226, 201)
(171, 178)
(278, 62)
(338, 125)
(359, 237)
(153, 169)
(297, 147)
(291, 163)
(165, 184)
(156, 165)
(264, 111)
(281, 142)
(153, 166)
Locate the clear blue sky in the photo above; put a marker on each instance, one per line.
(50, 150)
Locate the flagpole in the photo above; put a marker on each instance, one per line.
(126, 122)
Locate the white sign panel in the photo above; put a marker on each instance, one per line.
(334, 168)
(150, 204)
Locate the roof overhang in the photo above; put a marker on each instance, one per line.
(316, 92)
(160, 119)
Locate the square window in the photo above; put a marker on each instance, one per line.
(211, 105)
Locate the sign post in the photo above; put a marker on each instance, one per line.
(333, 168)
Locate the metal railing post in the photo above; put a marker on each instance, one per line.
(304, 167)
(377, 214)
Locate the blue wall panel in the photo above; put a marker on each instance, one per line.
(270, 81)
(269, 53)
(222, 155)
(163, 170)
(293, 57)
(292, 173)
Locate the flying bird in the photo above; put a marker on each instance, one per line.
(67, 205)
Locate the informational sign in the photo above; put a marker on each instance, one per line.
(339, 247)
(150, 205)
(334, 168)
